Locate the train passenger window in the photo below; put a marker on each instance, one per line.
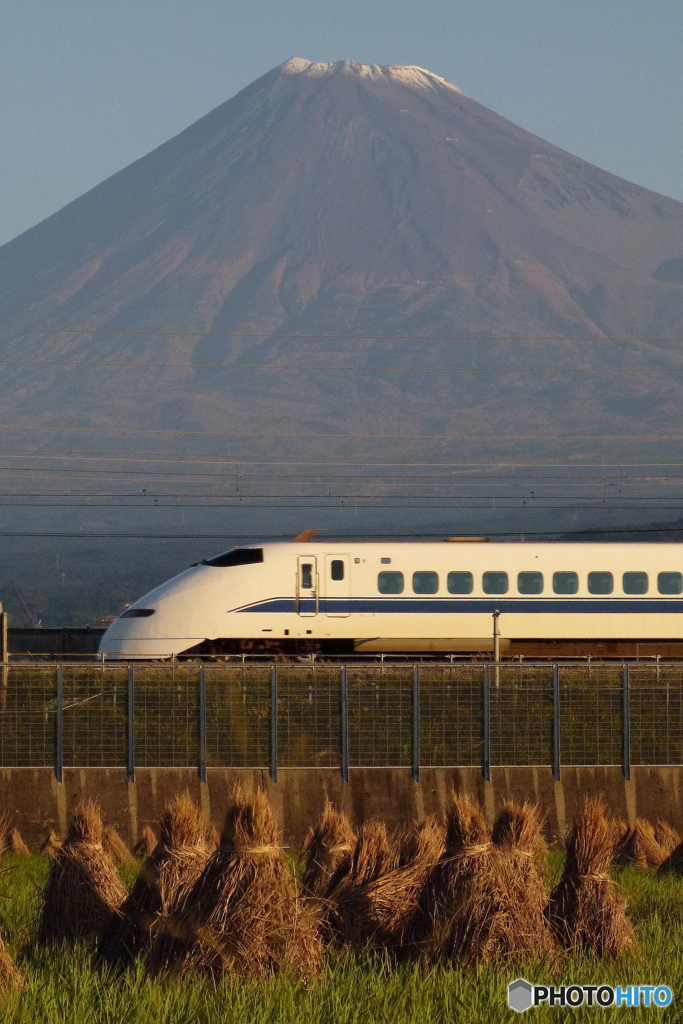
(565, 582)
(670, 583)
(635, 582)
(460, 583)
(495, 582)
(425, 582)
(530, 582)
(390, 582)
(600, 582)
(337, 569)
(306, 576)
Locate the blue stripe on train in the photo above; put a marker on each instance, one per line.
(449, 606)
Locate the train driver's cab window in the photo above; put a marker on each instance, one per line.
(390, 582)
(425, 582)
(670, 583)
(600, 582)
(530, 582)
(495, 582)
(306, 575)
(337, 569)
(565, 582)
(460, 583)
(635, 582)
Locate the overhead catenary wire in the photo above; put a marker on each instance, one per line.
(316, 368)
(333, 337)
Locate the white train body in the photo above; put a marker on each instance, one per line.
(412, 597)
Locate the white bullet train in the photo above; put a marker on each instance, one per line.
(553, 599)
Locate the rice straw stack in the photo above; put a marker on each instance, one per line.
(640, 847)
(83, 887)
(382, 912)
(165, 876)
(243, 914)
(51, 844)
(16, 845)
(585, 911)
(503, 913)
(10, 975)
(116, 848)
(667, 837)
(324, 848)
(468, 848)
(373, 856)
(146, 844)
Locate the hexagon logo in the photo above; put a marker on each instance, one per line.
(520, 995)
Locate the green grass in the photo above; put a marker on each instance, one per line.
(67, 986)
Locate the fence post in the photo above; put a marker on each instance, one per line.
(486, 696)
(416, 723)
(273, 724)
(344, 725)
(202, 724)
(130, 734)
(626, 713)
(556, 721)
(59, 726)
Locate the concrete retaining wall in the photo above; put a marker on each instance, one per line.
(35, 802)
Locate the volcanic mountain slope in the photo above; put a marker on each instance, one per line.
(379, 203)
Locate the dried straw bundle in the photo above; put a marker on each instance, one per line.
(213, 836)
(640, 847)
(242, 914)
(585, 911)
(10, 975)
(83, 887)
(382, 912)
(667, 837)
(16, 845)
(116, 848)
(518, 827)
(51, 845)
(146, 844)
(175, 863)
(467, 852)
(324, 848)
(503, 913)
(373, 856)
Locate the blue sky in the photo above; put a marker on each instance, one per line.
(89, 86)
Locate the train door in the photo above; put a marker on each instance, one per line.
(337, 585)
(307, 585)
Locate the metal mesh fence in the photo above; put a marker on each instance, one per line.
(591, 717)
(521, 715)
(451, 719)
(237, 716)
(27, 717)
(380, 717)
(94, 717)
(152, 715)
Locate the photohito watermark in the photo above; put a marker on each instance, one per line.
(522, 995)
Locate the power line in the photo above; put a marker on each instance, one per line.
(312, 367)
(330, 337)
(364, 437)
(335, 539)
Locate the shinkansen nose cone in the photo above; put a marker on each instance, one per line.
(164, 622)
